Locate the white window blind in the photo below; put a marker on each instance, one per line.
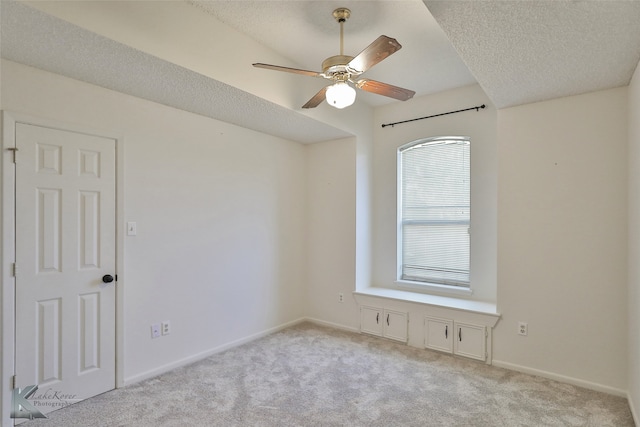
(434, 211)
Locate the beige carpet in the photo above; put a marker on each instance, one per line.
(309, 375)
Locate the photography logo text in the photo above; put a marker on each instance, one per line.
(26, 402)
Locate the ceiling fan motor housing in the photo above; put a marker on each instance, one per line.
(335, 67)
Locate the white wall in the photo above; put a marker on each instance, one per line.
(562, 238)
(220, 221)
(332, 232)
(481, 127)
(634, 246)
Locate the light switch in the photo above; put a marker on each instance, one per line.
(131, 228)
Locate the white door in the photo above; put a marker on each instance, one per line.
(65, 244)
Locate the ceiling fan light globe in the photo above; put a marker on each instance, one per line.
(340, 95)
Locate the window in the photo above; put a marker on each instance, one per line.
(434, 210)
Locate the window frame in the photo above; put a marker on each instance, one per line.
(459, 287)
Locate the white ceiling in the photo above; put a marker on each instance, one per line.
(526, 51)
(306, 33)
(518, 51)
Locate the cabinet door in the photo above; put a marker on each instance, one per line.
(439, 334)
(470, 341)
(395, 325)
(371, 320)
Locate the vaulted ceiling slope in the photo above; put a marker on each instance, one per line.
(34, 38)
(527, 51)
(518, 51)
(306, 33)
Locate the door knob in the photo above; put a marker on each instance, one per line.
(107, 278)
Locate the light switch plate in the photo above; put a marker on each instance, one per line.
(156, 330)
(132, 228)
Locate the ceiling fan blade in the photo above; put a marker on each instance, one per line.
(381, 48)
(385, 89)
(288, 70)
(317, 99)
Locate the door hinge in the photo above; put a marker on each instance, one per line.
(13, 382)
(13, 269)
(14, 152)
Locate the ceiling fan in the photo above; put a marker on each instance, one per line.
(343, 69)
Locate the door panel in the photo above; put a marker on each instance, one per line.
(395, 325)
(438, 334)
(371, 320)
(65, 243)
(470, 341)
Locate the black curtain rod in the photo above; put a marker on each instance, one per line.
(435, 115)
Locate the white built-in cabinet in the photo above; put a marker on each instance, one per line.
(450, 336)
(383, 322)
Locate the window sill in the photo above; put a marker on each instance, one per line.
(461, 304)
(445, 290)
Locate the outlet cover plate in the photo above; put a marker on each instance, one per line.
(166, 327)
(523, 328)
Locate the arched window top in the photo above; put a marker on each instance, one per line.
(436, 140)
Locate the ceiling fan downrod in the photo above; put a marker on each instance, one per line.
(341, 15)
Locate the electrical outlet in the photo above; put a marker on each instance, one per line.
(166, 327)
(523, 328)
(156, 330)
(340, 297)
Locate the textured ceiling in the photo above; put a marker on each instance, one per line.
(528, 51)
(518, 51)
(306, 33)
(34, 38)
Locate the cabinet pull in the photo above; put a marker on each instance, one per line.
(377, 318)
(446, 331)
(387, 319)
(460, 334)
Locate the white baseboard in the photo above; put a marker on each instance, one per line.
(634, 413)
(203, 355)
(561, 378)
(330, 324)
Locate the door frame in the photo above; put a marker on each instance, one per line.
(8, 253)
